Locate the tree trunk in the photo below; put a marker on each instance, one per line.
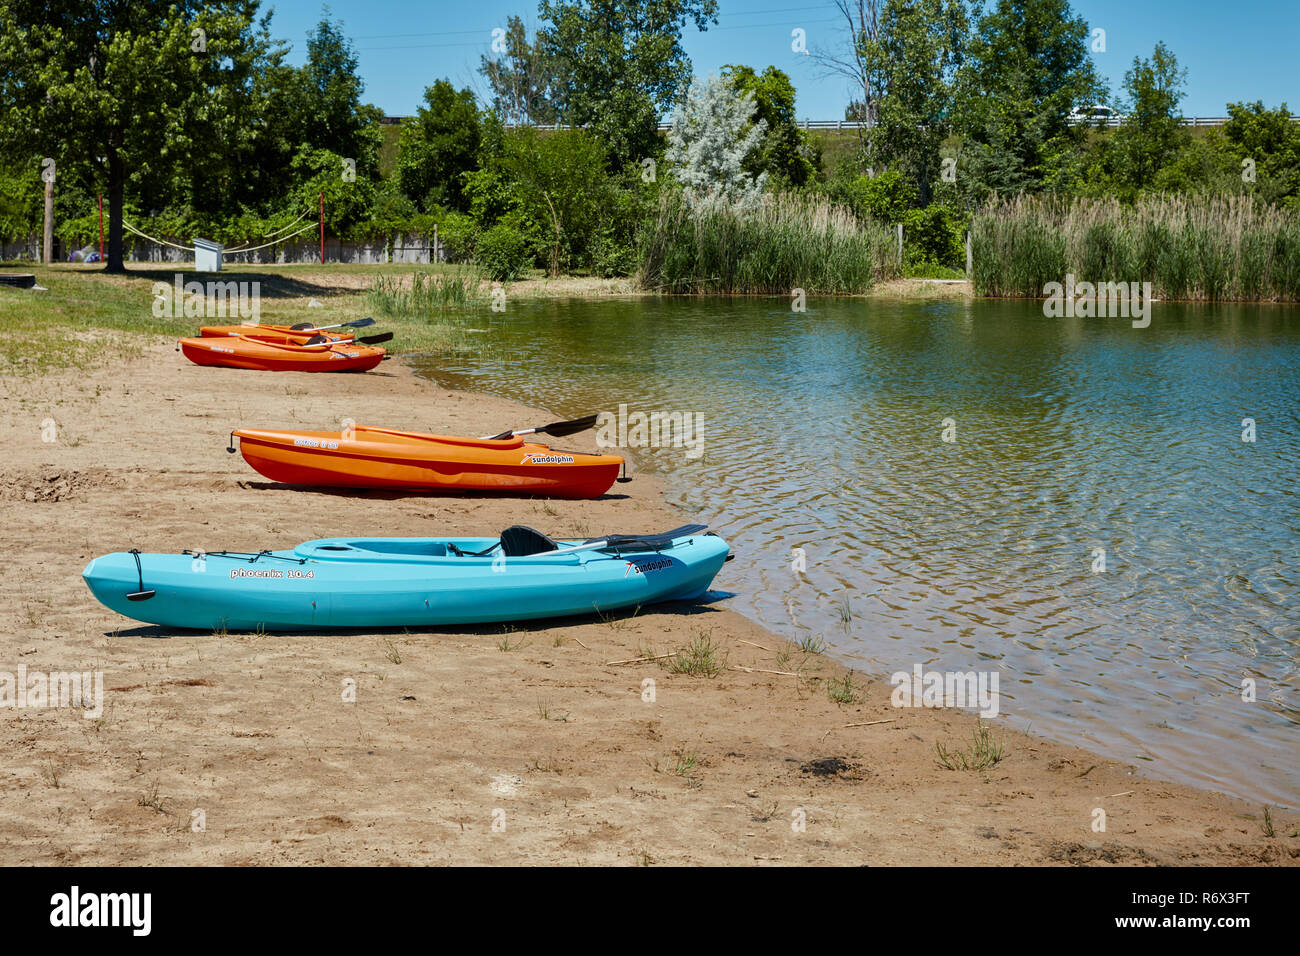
(555, 247)
(116, 188)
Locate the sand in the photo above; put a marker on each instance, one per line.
(497, 745)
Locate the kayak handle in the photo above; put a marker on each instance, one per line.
(142, 594)
(231, 447)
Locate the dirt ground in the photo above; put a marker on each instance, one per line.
(499, 745)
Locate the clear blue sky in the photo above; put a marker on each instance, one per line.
(1236, 50)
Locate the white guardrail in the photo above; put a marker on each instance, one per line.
(854, 124)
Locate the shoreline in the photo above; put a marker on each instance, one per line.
(543, 729)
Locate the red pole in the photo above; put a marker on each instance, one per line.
(322, 228)
(101, 227)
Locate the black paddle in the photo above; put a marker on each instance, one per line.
(555, 429)
(363, 340)
(355, 324)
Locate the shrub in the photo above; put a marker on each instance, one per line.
(502, 253)
(457, 234)
(935, 234)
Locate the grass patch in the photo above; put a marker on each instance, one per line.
(544, 712)
(812, 644)
(701, 658)
(87, 319)
(391, 651)
(686, 762)
(844, 690)
(845, 610)
(508, 643)
(931, 270)
(153, 801)
(981, 753)
(426, 292)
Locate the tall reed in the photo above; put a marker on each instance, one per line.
(426, 293)
(787, 242)
(1187, 247)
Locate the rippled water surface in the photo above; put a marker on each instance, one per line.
(824, 431)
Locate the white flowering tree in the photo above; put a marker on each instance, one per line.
(712, 133)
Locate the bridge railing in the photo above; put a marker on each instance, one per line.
(810, 124)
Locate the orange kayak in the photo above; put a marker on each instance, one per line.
(368, 457)
(273, 333)
(244, 351)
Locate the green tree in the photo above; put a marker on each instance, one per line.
(438, 147)
(127, 91)
(525, 80)
(915, 56)
(348, 203)
(786, 154)
(1151, 134)
(20, 206)
(333, 117)
(316, 106)
(559, 181)
(1271, 141)
(1202, 165)
(623, 63)
(1026, 67)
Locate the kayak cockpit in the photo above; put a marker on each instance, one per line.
(517, 541)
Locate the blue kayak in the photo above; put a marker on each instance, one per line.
(407, 582)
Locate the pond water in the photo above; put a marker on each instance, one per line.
(957, 473)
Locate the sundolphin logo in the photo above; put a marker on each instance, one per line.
(103, 909)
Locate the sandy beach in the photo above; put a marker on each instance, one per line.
(498, 745)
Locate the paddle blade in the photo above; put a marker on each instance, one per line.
(560, 429)
(557, 429)
(357, 324)
(375, 339)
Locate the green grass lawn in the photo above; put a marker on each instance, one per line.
(86, 318)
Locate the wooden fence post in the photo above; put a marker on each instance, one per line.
(47, 243)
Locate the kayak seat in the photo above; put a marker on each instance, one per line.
(519, 541)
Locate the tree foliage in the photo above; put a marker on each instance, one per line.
(1151, 134)
(623, 62)
(785, 153)
(438, 147)
(1027, 64)
(713, 134)
(914, 58)
(525, 79)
